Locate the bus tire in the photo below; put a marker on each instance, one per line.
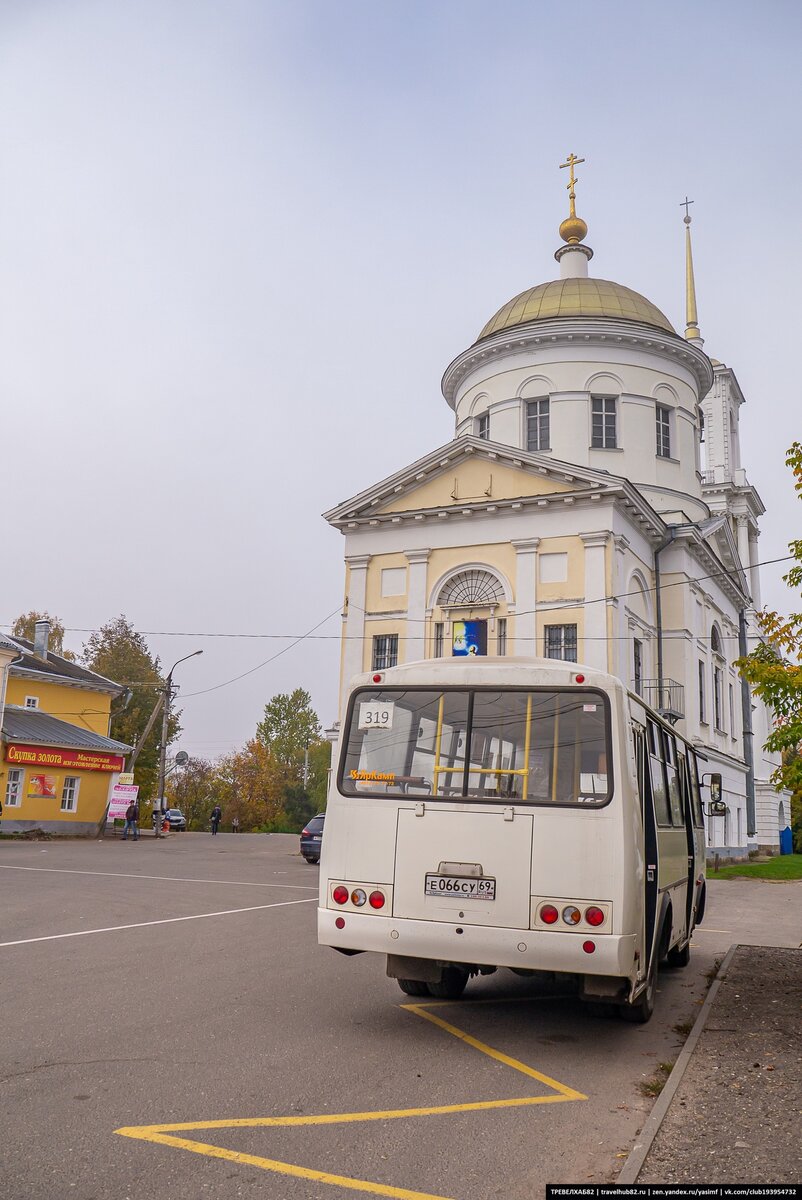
(679, 957)
(639, 1012)
(451, 986)
(413, 987)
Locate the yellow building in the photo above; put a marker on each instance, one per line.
(58, 763)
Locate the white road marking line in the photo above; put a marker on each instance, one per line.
(52, 937)
(295, 887)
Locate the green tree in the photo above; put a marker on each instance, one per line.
(195, 788)
(288, 728)
(121, 654)
(774, 669)
(25, 627)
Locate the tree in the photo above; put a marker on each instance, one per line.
(288, 728)
(251, 785)
(774, 669)
(121, 654)
(195, 788)
(25, 627)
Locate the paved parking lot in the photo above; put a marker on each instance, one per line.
(171, 1029)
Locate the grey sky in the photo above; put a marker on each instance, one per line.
(240, 241)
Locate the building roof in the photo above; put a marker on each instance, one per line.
(55, 665)
(38, 728)
(577, 297)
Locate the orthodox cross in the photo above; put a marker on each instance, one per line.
(686, 203)
(572, 161)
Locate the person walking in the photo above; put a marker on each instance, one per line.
(132, 821)
(235, 825)
(217, 816)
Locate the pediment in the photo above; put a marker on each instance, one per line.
(470, 471)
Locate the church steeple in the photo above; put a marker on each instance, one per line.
(574, 257)
(692, 333)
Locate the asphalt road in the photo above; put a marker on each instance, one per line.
(179, 982)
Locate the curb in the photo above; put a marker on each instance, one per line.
(632, 1167)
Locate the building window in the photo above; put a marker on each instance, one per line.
(483, 427)
(537, 425)
(732, 711)
(385, 651)
(501, 636)
(69, 794)
(561, 642)
(638, 649)
(438, 639)
(16, 777)
(31, 701)
(603, 423)
(718, 715)
(702, 693)
(663, 430)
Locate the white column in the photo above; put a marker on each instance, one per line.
(526, 597)
(415, 646)
(353, 652)
(754, 574)
(621, 649)
(594, 652)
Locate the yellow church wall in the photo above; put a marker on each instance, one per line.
(88, 710)
(574, 583)
(474, 479)
(374, 600)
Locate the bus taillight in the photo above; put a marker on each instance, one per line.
(548, 914)
(340, 895)
(376, 899)
(594, 916)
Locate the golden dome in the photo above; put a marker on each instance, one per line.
(573, 229)
(579, 297)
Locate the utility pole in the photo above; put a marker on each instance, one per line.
(167, 697)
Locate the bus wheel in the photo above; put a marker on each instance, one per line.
(451, 986)
(640, 1012)
(679, 958)
(413, 987)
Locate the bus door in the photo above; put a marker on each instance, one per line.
(687, 808)
(651, 882)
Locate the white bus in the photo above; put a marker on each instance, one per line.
(523, 813)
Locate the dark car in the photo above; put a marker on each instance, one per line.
(176, 818)
(312, 838)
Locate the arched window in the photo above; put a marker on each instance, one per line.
(715, 640)
(471, 588)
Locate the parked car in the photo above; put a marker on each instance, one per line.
(312, 838)
(176, 818)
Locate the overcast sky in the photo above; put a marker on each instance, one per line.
(240, 241)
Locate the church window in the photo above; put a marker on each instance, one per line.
(717, 708)
(483, 427)
(638, 649)
(663, 430)
(537, 425)
(732, 711)
(702, 693)
(471, 588)
(501, 637)
(385, 651)
(438, 639)
(603, 432)
(561, 642)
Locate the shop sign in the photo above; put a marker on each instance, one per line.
(50, 756)
(121, 796)
(42, 786)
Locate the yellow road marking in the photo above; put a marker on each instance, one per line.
(164, 1134)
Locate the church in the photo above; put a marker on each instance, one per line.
(592, 507)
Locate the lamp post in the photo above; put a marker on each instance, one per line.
(168, 696)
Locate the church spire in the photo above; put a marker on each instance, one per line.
(573, 257)
(692, 333)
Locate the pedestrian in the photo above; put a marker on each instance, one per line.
(217, 816)
(235, 825)
(132, 821)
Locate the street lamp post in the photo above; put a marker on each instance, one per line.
(168, 696)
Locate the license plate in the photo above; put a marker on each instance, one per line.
(462, 886)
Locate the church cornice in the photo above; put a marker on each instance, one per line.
(578, 331)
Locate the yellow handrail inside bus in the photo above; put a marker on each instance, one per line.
(437, 739)
(527, 744)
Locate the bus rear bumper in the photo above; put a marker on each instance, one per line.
(481, 945)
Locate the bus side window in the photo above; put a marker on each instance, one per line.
(675, 800)
(696, 797)
(684, 782)
(639, 741)
(658, 777)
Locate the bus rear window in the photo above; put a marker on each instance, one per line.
(538, 747)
